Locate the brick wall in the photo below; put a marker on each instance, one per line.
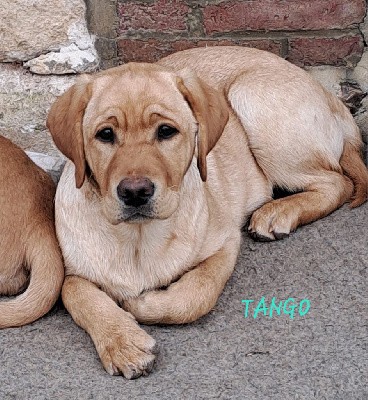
(307, 32)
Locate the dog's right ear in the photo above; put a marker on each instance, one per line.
(65, 122)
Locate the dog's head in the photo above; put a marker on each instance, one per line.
(133, 131)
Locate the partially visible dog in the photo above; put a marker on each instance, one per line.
(167, 163)
(29, 251)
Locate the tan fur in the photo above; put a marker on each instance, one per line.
(67, 112)
(247, 121)
(353, 166)
(29, 252)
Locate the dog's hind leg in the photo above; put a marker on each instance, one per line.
(303, 139)
(193, 295)
(277, 218)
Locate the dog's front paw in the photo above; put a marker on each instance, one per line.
(126, 351)
(272, 221)
(147, 308)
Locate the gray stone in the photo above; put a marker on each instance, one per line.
(52, 165)
(360, 73)
(50, 36)
(361, 118)
(69, 60)
(103, 22)
(29, 28)
(102, 18)
(24, 102)
(363, 27)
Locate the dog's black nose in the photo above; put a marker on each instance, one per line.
(135, 191)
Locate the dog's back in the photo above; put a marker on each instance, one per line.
(29, 251)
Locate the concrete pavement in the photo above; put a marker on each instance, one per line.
(321, 355)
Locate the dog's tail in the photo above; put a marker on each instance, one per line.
(46, 267)
(353, 166)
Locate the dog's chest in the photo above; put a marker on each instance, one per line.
(125, 261)
(145, 261)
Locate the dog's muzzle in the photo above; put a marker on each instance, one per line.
(135, 194)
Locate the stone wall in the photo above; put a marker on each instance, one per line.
(43, 45)
(49, 42)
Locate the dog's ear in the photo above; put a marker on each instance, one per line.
(210, 110)
(65, 120)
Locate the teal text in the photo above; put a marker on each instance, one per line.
(289, 307)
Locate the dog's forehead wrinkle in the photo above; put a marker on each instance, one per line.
(134, 117)
(139, 95)
(111, 114)
(99, 114)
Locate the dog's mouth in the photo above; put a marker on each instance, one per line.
(153, 210)
(137, 218)
(136, 215)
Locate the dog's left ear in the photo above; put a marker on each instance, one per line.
(210, 110)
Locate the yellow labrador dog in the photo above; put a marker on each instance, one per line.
(29, 251)
(167, 162)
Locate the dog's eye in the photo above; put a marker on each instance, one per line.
(166, 132)
(105, 135)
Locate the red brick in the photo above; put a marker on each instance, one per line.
(160, 16)
(147, 50)
(152, 49)
(260, 15)
(344, 51)
(262, 44)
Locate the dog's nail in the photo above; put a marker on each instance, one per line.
(113, 370)
(280, 235)
(260, 238)
(148, 368)
(155, 349)
(134, 374)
